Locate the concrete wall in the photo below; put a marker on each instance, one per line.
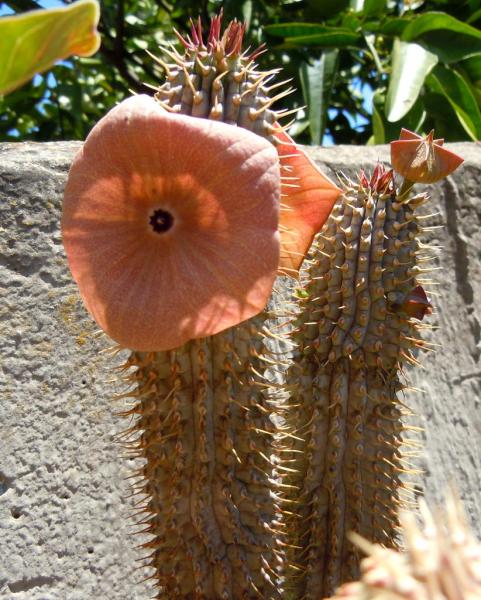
(64, 512)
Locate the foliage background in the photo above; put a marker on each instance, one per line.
(363, 68)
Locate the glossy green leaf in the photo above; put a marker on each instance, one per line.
(451, 40)
(415, 118)
(356, 5)
(472, 66)
(369, 8)
(294, 29)
(374, 8)
(32, 42)
(443, 119)
(325, 9)
(395, 26)
(351, 21)
(334, 38)
(474, 17)
(378, 129)
(385, 131)
(411, 64)
(457, 91)
(305, 34)
(317, 80)
(247, 11)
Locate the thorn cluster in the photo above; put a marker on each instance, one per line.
(215, 79)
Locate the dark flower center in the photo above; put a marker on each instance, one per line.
(161, 221)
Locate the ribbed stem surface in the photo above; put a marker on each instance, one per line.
(353, 334)
(206, 436)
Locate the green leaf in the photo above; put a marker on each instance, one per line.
(351, 21)
(294, 29)
(247, 11)
(369, 8)
(317, 80)
(411, 64)
(379, 132)
(374, 8)
(443, 119)
(386, 131)
(458, 93)
(32, 42)
(298, 127)
(327, 40)
(450, 39)
(306, 34)
(474, 17)
(356, 5)
(394, 27)
(472, 66)
(325, 9)
(335, 38)
(414, 119)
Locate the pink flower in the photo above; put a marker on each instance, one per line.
(170, 225)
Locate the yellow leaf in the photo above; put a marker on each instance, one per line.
(32, 42)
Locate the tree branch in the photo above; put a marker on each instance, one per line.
(22, 5)
(150, 72)
(118, 62)
(113, 49)
(165, 5)
(120, 28)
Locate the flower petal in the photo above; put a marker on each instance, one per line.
(170, 225)
(409, 135)
(305, 208)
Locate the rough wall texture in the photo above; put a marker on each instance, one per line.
(64, 511)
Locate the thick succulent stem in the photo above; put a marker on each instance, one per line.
(353, 336)
(217, 81)
(206, 436)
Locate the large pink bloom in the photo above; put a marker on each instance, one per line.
(170, 225)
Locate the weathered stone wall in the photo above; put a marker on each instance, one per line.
(64, 512)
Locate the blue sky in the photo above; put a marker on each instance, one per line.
(4, 10)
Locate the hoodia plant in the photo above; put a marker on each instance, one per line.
(360, 308)
(180, 211)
